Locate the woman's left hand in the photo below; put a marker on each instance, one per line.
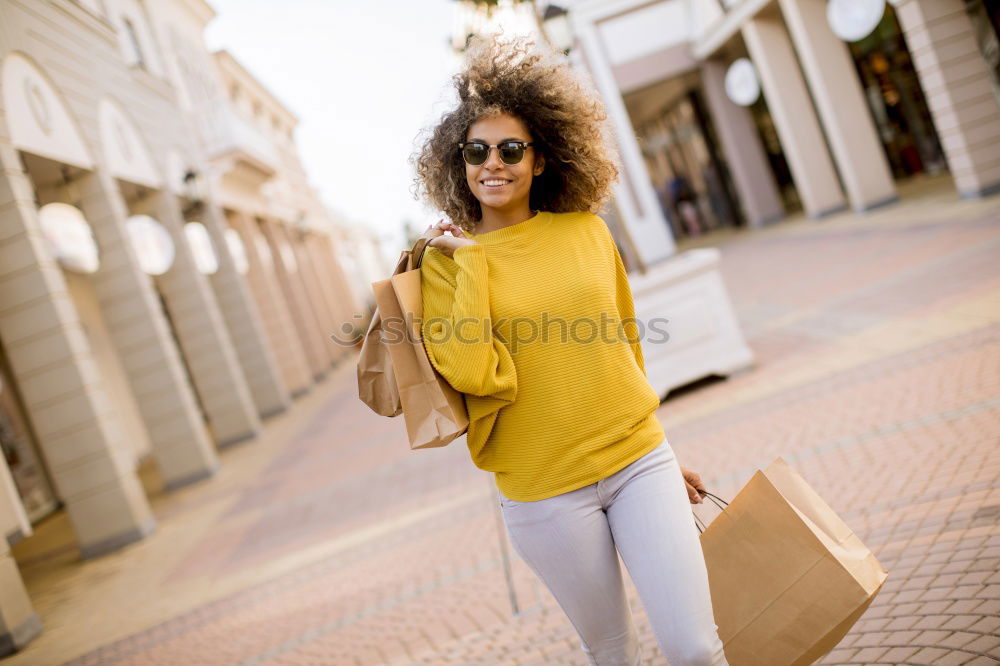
(693, 483)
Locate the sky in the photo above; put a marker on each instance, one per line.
(363, 77)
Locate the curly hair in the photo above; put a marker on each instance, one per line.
(566, 119)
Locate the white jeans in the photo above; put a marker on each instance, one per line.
(569, 541)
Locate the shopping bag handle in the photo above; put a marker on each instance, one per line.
(718, 501)
(715, 498)
(417, 251)
(698, 523)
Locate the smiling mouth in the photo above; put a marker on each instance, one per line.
(495, 183)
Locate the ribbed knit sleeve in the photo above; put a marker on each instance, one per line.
(457, 327)
(626, 307)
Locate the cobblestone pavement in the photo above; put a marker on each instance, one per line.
(877, 376)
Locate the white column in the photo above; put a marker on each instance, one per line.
(847, 120)
(243, 320)
(62, 389)
(745, 155)
(798, 128)
(640, 210)
(141, 335)
(202, 334)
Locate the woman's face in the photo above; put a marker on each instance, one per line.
(495, 184)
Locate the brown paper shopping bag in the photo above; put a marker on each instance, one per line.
(788, 577)
(376, 380)
(434, 412)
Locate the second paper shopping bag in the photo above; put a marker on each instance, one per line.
(788, 577)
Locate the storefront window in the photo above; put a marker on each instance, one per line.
(686, 166)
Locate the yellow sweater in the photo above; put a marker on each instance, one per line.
(547, 413)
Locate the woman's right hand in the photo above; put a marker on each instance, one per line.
(446, 244)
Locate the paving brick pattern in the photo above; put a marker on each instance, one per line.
(877, 377)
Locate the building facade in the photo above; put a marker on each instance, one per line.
(821, 123)
(168, 277)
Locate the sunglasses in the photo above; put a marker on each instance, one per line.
(477, 152)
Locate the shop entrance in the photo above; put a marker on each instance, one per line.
(684, 159)
(26, 465)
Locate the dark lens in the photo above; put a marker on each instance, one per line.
(475, 153)
(511, 152)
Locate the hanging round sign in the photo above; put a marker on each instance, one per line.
(70, 237)
(201, 247)
(742, 84)
(852, 20)
(264, 251)
(237, 250)
(152, 244)
(288, 257)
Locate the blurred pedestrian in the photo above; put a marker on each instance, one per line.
(666, 205)
(685, 204)
(582, 466)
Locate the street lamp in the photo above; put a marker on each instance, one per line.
(302, 222)
(193, 190)
(557, 27)
(484, 17)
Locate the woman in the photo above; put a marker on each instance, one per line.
(565, 420)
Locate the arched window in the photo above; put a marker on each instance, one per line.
(136, 46)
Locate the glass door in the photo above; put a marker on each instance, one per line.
(689, 175)
(896, 100)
